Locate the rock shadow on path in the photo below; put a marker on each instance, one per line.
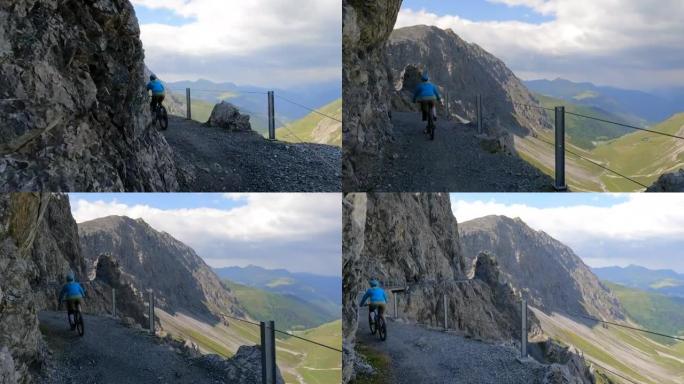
(213, 159)
(421, 355)
(111, 353)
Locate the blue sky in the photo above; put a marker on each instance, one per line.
(546, 200)
(266, 43)
(297, 232)
(162, 200)
(479, 10)
(603, 229)
(628, 43)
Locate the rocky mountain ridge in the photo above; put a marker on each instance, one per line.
(74, 113)
(545, 271)
(412, 240)
(462, 71)
(156, 260)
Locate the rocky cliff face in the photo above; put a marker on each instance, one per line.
(155, 260)
(412, 240)
(462, 71)
(365, 81)
(74, 113)
(546, 272)
(38, 247)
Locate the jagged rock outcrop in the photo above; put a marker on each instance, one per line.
(412, 240)
(545, 271)
(130, 302)
(155, 260)
(669, 182)
(74, 114)
(566, 366)
(365, 82)
(227, 116)
(462, 71)
(244, 367)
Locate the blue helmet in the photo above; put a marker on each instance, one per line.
(70, 277)
(374, 283)
(425, 76)
(153, 77)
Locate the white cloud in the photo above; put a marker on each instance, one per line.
(300, 232)
(261, 32)
(642, 216)
(629, 43)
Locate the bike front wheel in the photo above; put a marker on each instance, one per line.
(163, 118)
(382, 329)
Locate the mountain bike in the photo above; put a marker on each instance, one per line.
(377, 323)
(75, 319)
(161, 117)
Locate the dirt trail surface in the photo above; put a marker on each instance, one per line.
(420, 355)
(454, 162)
(112, 353)
(212, 159)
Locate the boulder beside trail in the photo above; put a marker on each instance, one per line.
(226, 115)
(669, 182)
(244, 367)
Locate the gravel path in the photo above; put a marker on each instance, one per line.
(454, 162)
(214, 160)
(111, 353)
(420, 355)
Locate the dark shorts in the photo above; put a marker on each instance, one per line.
(156, 99)
(379, 306)
(73, 304)
(426, 107)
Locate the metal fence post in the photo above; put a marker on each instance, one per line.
(445, 312)
(396, 313)
(268, 356)
(523, 330)
(188, 102)
(114, 302)
(478, 103)
(271, 116)
(151, 311)
(560, 149)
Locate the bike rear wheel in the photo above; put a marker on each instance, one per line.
(431, 126)
(372, 324)
(80, 327)
(382, 329)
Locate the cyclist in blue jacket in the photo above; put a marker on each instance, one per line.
(158, 92)
(377, 296)
(72, 293)
(427, 95)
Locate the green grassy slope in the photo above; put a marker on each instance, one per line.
(299, 361)
(642, 156)
(582, 132)
(315, 128)
(652, 310)
(287, 311)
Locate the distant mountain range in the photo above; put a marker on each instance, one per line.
(253, 99)
(628, 104)
(664, 281)
(324, 292)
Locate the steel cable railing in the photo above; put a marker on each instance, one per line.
(284, 333)
(591, 161)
